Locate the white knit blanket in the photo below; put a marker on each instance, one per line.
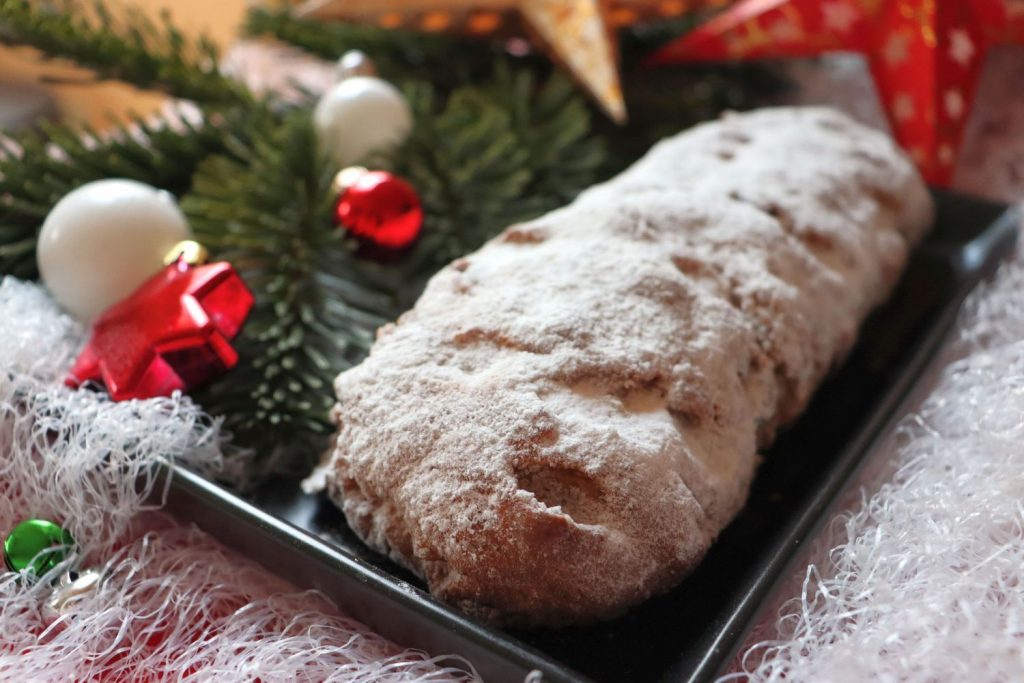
(174, 604)
(923, 579)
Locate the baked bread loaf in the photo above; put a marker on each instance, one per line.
(569, 416)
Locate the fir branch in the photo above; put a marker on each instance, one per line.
(124, 45)
(398, 55)
(330, 40)
(39, 167)
(267, 209)
(553, 123)
(495, 155)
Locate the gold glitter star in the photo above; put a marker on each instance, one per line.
(578, 33)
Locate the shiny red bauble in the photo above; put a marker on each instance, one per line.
(381, 208)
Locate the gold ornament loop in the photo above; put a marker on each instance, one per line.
(189, 251)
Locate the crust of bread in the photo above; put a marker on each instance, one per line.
(569, 416)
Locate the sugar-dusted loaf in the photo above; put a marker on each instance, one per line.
(569, 416)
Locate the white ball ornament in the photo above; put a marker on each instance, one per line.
(103, 240)
(359, 115)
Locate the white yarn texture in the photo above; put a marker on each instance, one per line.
(175, 605)
(925, 579)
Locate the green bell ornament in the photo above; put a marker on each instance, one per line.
(36, 546)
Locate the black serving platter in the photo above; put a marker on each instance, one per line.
(692, 632)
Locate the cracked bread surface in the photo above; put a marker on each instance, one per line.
(569, 416)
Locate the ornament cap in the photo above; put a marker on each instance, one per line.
(347, 177)
(189, 251)
(36, 546)
(354, 63)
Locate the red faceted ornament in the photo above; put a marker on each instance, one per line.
(171, 334)
(379, 207)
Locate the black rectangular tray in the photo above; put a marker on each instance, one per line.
(692, 632)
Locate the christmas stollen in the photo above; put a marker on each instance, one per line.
(569, 416)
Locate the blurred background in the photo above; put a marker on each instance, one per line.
(20, 70)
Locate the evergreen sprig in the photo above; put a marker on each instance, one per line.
(494, 155)
(266, 208)
(38, 167)
(399, 55)
(126, 46)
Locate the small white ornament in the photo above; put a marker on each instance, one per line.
(103, 240)
(359, 115)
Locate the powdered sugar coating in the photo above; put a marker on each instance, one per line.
(569, 416)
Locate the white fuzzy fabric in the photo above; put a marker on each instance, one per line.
(76, 456)
(177, 606)
(174, 605)
(925, 581)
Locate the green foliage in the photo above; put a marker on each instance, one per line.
(400, 56)
(394, 52)
(494, 155)
(133, 49)
(41, 166)
(266, 208)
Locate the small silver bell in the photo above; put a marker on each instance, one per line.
(73, 586)
(354, 63)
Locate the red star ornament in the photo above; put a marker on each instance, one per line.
(171, 334)
(925, 55)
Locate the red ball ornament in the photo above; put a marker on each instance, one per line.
(379, 207)
(172, 333)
